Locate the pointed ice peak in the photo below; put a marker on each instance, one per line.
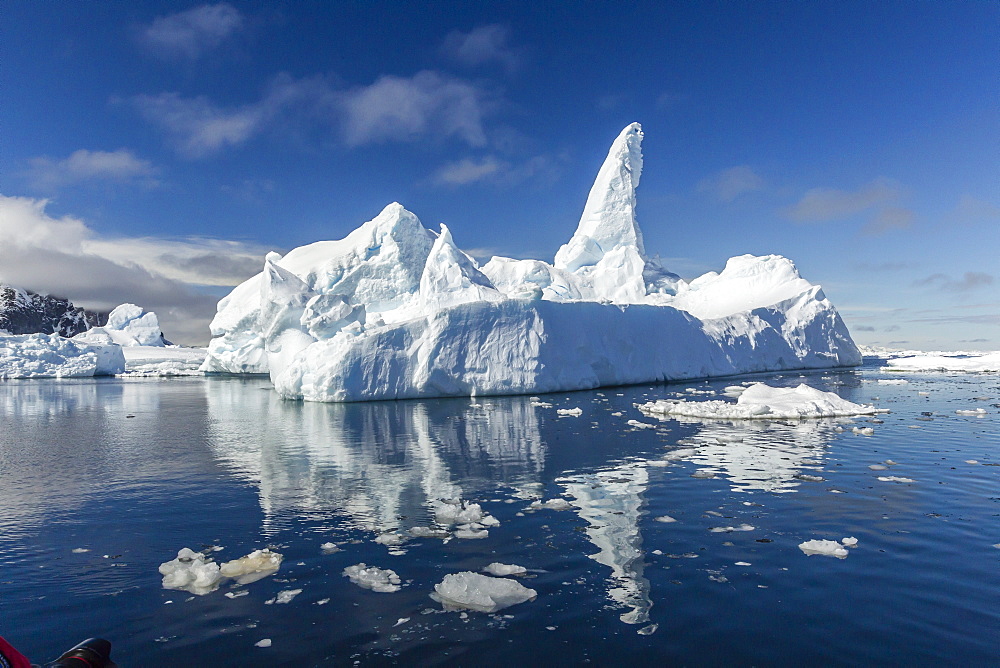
(451, 277)
(608, 221)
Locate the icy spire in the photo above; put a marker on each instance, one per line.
(608, 221)
(451, 277)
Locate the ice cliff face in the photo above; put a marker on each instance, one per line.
(25, 312)
(394, 310)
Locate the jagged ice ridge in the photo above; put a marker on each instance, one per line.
(397, 311)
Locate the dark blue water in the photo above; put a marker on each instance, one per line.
(132, 471)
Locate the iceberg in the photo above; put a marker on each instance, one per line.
(482, 593)
(128, 325)
(396, 311)
(52, 356)
(974, 363)
(763, 402)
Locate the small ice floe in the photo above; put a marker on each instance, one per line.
(809, 478)
(428, 532)
(893, 478)
(762, 402)
(743, 563)
(977, 412)
(996, 545)
(878, 467)
(330, 548)
(703, 474)
(617, 414)
(889, 462)
(471, 531)
(640, 425)
(541, 404)
(826, 548)
(849, 542)
(255, 566)
(456, 511)
(384, 581)
(192, 572)
(967, 461)
(648, 630)
(390, 539)
(498, 569)
(892, 381)
(863, 431)
(401, 621)
(742, 527)
(266, 642)
(571, 412)
(729, 438)
(666, 519)
(80, 550)
(474, 591)
(322, 601)
(284, 596)
(237, 594)
(551, 504)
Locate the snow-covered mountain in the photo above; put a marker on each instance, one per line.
(395, 310)
(25, 312)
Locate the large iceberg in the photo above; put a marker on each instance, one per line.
(52, 356)
(396, 311)
(128, 325)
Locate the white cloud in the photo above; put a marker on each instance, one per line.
(392, 108)
(972, 210)
(889, 218)
(730, 183)
(191, 33)
(402, 109)
(481, 46)
(824, 204)
(63, 256)
(83, 165)
(971, 280)
(468, 170)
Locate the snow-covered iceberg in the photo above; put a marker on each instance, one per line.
(396, 311)
(128, 325)
(981, 363)
(763, 402)
(52, 356)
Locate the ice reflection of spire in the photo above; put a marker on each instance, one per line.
(760, 455)
(381, 464)
(611, 502)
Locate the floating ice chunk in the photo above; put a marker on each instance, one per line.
(976, 411)
(457, 511)
(892, 381)
(384, 581)
(428, 532)
(892, 478)
(666, 519)
(541, 404)
(474, 591)
(80, 550)
(967, 461)
(760, 402)
(284, 596)
(401, 621)
(863, 431)
(471, 531)
(551, 504)
(191, 572)
(743, 563)
(742, 527)
(498, 569)
(572, 412)
(809, 478)
(266, 642)
(648, 630)
(390, 539)
(878, 467)
(640, 425)
(849, 542)
(237, 594)
(827, 548)
(330, 548)
(256, 565)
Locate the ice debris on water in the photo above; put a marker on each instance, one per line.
(763, 402)
(572, 412)
(266, 642)
(893, 478)
(80, 550)
(978, 412)
(551, 504)
(742, 527)
(498, 569)
(665, 518)
(283, 596)
(191, 572)
(384, 581)
(428, 532)
(474, 591)
(330, 548)
(827, 548)
(640, 425)
(863, 431)
(256, 565)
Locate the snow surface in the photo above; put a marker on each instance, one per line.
(52, 356)
(474, 591)
(397, 311)
(987, 362)
(763, 402)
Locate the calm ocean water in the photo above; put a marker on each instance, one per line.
(133, 470)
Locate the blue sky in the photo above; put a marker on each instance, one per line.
(154, 151)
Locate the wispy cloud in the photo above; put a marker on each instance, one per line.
(972, 210)
(889, 218)
(403, 109)
(426, 105)
(972, 280)
(482, 46)
(48, 174)
(468, 171)
(191, 33)
(825, 204)
(544, 169)
(730, 183)
(64, 256)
